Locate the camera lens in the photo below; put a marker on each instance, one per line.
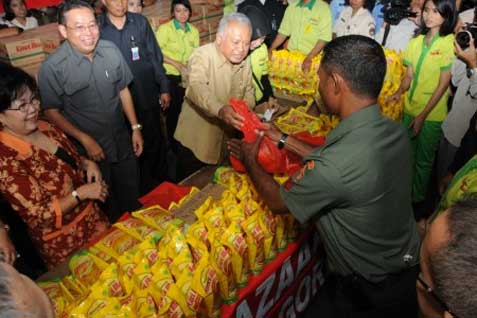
(463, 39)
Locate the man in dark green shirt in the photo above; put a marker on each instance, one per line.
(356, 188)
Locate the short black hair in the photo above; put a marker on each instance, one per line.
(368, 4)
(9, 15)
(447, 10)
(69, 5)
(13, 83)
(453, 267)
(185, 3)
(359, 60)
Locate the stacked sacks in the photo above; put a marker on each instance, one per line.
(153, 265)
(285, 74)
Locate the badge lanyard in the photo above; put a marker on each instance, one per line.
(134, 50)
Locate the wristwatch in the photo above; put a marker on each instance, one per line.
(136, 127)
(281, 142)
(76, 196)
(471, 72)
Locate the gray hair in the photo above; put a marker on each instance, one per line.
(233, 17)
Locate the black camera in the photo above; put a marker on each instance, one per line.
(396, 10)
(463, 37)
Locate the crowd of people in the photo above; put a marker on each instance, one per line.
(119, 108)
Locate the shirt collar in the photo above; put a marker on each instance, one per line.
(309, 5)
(104, 20)
(223, 60)
(179, 27)
(354, 121)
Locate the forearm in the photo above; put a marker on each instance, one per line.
(405, 84)
(55, 117)
(317, 49)
(265, 185)
(173, 62)
(279, 39)
(298, 147)
(128, 106)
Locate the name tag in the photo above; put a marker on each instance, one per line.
(135, 53)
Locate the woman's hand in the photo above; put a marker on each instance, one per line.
(6, 246)
(417, 123)
(93, 174)
(93, 191)
(394, 97)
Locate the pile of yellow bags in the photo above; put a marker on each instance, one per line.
(285, 73)
(152, 264)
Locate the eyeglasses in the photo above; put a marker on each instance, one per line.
(434, 296)
(35, 103)
(80, 29)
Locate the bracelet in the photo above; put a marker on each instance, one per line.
(281, 142)
(136, 127)
(76, 196)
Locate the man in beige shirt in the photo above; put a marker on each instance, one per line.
(217, 72)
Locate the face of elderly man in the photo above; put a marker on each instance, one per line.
(234, 43)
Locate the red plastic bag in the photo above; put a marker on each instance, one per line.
(164, 194)
(272, 159)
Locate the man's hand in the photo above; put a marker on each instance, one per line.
(93, 174)
(137, 142)
(273, 132)
(6, 247)
(165, 100)
(93, 149)
(468, 56)
(306, 65)
(245, 151)
(228, 114)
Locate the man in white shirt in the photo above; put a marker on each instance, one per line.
(355, 20)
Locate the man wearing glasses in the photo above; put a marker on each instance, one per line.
(84, 91)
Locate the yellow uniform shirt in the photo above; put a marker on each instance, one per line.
(259, 61)
(427, 62)
(177, 43)
(305, 24)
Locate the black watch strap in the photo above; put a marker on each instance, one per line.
(281, 142)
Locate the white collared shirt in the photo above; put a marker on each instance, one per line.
(31, 23)
(362, 23)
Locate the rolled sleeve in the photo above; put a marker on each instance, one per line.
(313, 192)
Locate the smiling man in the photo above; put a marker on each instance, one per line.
(217, 72)
(84, 91)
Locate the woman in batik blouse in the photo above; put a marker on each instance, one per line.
(54, 190)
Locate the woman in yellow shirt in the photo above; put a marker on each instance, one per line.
(177, 40)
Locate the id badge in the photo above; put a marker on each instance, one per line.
(135, 53)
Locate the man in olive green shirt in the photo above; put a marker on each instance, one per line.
(217, 72)
(356, 188)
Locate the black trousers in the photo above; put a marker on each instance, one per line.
(174, 110)
(122, 179)
(354, 297)
(187, 162)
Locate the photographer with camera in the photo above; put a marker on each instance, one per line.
(459, 142)
(399, 25)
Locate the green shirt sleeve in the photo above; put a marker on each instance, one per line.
(313, 191)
